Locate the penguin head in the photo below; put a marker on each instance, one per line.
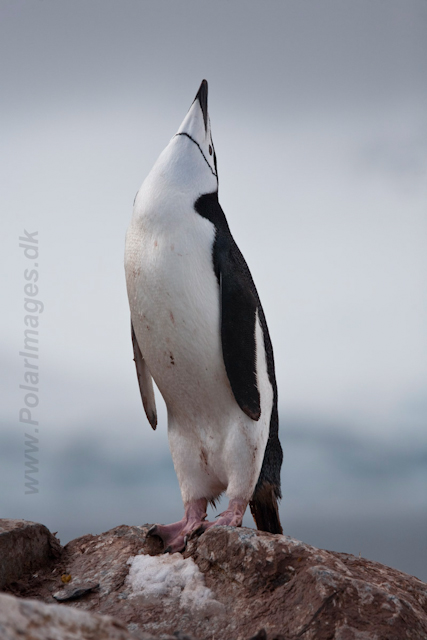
(188, 164)
(186, 168)
(196, 126)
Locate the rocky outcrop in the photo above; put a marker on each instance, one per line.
(229, 584)
(24, 547)
(22, 619)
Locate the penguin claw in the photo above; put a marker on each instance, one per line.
(195, 533)
(173, 542)
(177, 545)
(173, 539)
(176, 536)
(152, 531)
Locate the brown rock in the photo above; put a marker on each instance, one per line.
(293, 590)
(32, 620)
(24, 547)
(234, 584)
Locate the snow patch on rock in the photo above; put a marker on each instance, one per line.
(171, 580)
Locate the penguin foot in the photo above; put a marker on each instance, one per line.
(232, 517)
(175, 536)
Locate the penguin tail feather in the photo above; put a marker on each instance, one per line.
(265, 510)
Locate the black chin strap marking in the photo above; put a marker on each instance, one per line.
(200, 149)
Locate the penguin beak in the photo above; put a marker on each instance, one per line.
(202, 97)
(196, 122)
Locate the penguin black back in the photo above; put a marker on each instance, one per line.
(237, 334)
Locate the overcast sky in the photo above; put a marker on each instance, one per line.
(319, 117)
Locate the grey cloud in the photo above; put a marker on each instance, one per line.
(281, 56)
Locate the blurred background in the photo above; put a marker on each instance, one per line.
(319, 118)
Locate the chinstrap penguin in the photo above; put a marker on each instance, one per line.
(199, 330)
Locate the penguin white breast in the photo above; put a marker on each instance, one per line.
(174, 299)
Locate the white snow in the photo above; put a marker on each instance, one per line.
(170, 579)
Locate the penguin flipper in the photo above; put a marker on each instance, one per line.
(145, 382)
(239, 304)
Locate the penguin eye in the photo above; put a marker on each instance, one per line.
(210, 150)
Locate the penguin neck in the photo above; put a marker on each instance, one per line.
(182, 168)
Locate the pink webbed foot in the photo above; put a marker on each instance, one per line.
(174, 536)
(232, 517)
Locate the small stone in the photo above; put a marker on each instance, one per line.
(72, 593)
